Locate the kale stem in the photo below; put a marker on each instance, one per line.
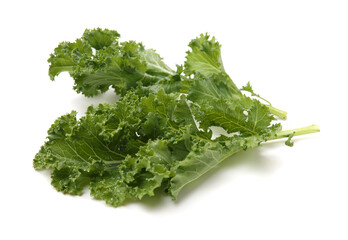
(277, 112)
(298, 131)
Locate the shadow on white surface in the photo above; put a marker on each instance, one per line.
(252, 159)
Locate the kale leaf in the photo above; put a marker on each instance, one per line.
(158, 135)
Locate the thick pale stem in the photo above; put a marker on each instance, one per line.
(298, 131)
(277, 112)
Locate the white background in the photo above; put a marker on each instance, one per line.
(295, 53)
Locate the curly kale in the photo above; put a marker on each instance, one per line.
(158, 135)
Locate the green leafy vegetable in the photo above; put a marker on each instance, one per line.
(158, 135)
(98, 60)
